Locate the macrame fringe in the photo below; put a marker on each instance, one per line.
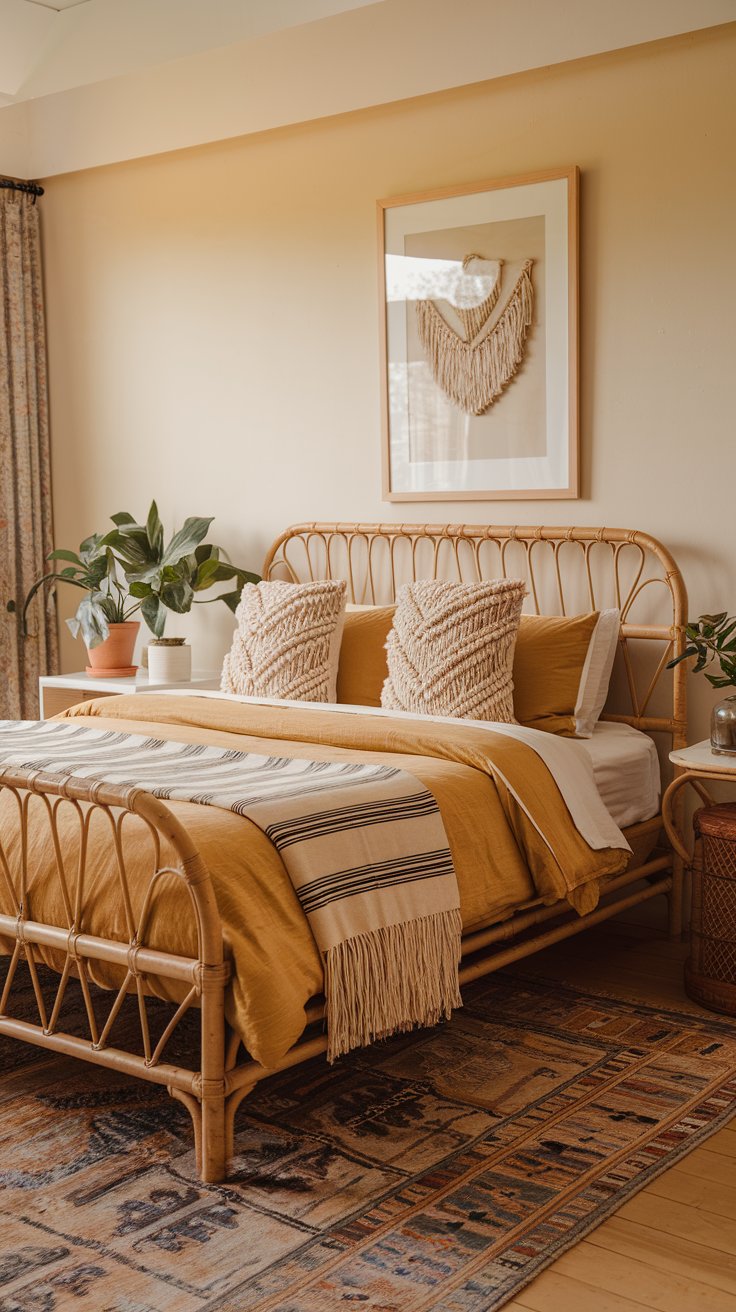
(474, 319)
(474, 373)
(391, 980)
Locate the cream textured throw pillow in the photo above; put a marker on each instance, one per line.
(287, 642)
(451, 649)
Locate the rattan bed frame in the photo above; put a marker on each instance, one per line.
(568, 570)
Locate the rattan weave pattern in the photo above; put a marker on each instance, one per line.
(719, 960)
(719, 906)
(720, 855)
(711, 972)
(719, 909)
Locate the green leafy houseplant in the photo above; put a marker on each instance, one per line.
(93, 569)
(163, 577)
(712, 638)
(156, 577)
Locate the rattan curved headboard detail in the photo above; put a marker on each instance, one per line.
(567, 570)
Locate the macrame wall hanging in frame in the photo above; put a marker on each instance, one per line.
(473, 368)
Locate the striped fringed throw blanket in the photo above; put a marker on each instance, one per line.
(364, 846)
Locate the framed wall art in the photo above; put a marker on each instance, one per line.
(479, 340)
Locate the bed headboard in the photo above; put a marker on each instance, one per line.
(567, 571)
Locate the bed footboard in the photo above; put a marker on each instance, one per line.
(67, 810)
(41, 812)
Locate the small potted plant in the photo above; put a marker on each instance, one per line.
(104, 615)
(132, 568)
(713, 638)
(171, 576)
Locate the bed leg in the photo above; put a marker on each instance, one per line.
(232, 1104)
(673, 815)
(211, 1153)
(674, 897)
(212, 1085)
(214, 1158)
(194, 1108)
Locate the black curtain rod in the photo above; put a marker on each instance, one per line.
(14, 184)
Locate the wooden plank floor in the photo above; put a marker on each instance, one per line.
(673, 1246)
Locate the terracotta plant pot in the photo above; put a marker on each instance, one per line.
(112, 658)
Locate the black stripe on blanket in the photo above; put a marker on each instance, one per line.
(301, 829)
(376, 875)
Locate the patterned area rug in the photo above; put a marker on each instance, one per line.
(441, 1171)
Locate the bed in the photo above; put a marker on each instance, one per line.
(71, 847)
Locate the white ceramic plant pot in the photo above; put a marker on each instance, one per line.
(169, 661)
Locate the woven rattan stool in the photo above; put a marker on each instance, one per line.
(710, 972)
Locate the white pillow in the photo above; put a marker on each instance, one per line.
(596, 673)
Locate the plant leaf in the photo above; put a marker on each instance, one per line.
(154, 614)
(65, 555)
(151, 575)
(231, 599)
(689, 651)
(211, 571)
(177, 596)
(89, 549)
(92, 620)
(188, 537)
(132, 547)
(155, 529)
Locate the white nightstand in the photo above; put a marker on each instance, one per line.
(58, 691)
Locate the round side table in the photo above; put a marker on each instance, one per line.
(710, 971)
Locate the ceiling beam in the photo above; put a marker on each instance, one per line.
(368, 56)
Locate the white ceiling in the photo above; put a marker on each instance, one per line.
(48, 46)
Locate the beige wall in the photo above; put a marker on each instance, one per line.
(213, 312)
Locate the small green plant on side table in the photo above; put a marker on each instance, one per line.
(130, 569)
(713, 638)
(169, 577)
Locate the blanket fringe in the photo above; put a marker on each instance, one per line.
(392, 980)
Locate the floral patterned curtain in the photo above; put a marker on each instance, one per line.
(25, 480)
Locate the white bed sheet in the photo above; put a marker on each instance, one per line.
(626, 771)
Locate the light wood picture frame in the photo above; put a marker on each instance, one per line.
(478, 290)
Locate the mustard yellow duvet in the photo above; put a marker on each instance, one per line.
(510, 832)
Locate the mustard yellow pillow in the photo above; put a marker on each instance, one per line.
(549, 657)
(549, 664)
(362, 670)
